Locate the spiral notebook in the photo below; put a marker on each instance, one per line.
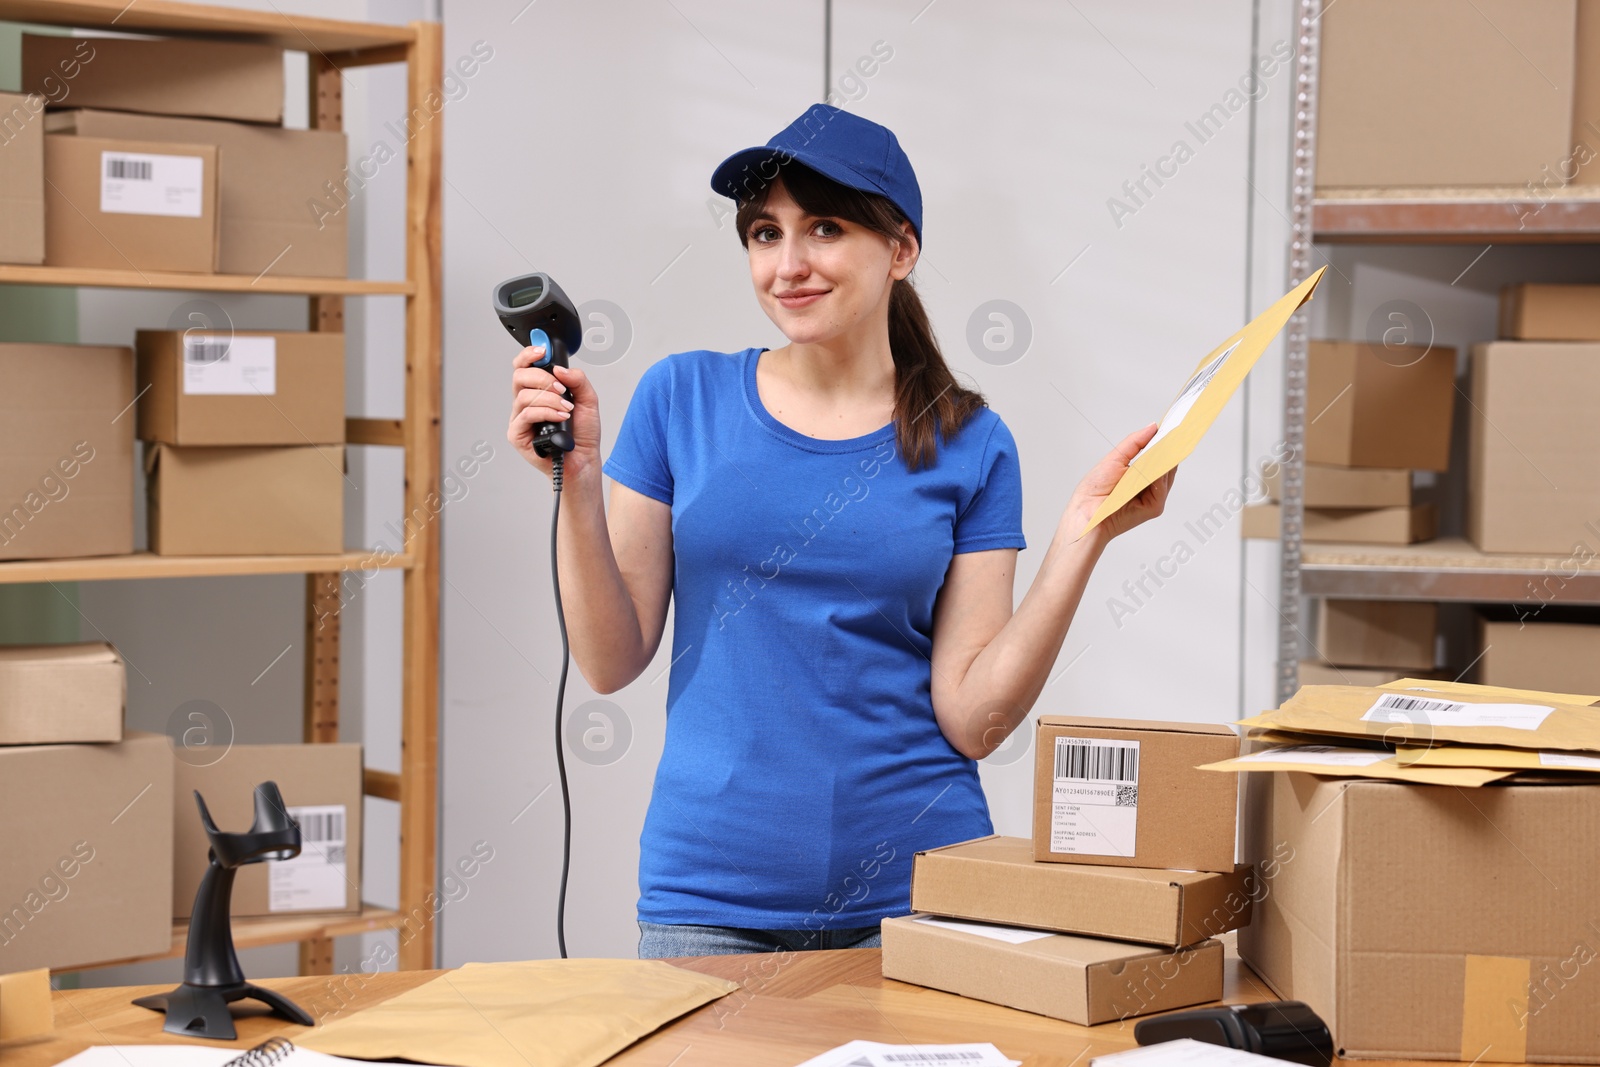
(273, 1052)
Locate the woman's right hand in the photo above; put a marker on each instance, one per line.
(554, 395)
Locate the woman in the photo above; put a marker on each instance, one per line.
(838, 521)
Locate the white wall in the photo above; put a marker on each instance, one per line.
(585, 150)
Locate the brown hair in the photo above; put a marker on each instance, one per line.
(923, 383)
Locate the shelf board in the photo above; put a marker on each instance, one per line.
(253, 933)
(295, 32)
(1503, 214)
(146, 565)
(103, 278)
(1448, 569)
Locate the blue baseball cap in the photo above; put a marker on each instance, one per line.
(853, 151)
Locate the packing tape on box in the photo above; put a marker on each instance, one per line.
(1494, 1010)
(25, 1005)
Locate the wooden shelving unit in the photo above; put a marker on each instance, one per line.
(1442, 570)
(331, 47)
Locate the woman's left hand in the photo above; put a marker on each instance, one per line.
(1099, 482)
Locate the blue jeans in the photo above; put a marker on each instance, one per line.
(664, 940)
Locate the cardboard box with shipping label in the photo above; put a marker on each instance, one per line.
(1078, 979)
(61, 694)
(1429, 922)
(996, 880)
(1379, 405)
(66, 451)
(130, 205)
(266, 501)
(1125, 792)
(87, 876)
(1378, 633)
(240, 387)
(321, 787)
(1533, 483)
(1550, 312)
(170, 76)
(1416, 94)
(283, 191)
(21, 179)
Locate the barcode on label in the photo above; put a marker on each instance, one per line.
(205, 351)
(1101, 763)
(321, 825)
(1396, 702)
(129, 170)
(931, 1057)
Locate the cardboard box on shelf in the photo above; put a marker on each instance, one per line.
(1415, 95)
(321, 787)
(1378, 633)
(277, 214)
(268, 501)
(1125, 792)
(1316, 672)
(1421, 923)
(1586, 94)
(1550, 312)
(1562, 657)
(1347, 487)
(240, 387)
(1374, 405)
(87, 875)
(61, 694)
(21, 179)
(130, 205)
(66, 451)
(1078, 979)
(996, 880)
(1368, 526)
(1533, 485)
(168, 76)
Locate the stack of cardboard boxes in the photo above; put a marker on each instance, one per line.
(1113, 909)
(1375, 412)
(142, 155)
(111, 850)
(1370, 642)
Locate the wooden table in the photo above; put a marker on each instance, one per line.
(790, 1008)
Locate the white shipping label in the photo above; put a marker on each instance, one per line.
(219, 365)
(316, 879)
(1188, 395)
(1569, 759)
(1012, 935)
(1317, 755)
(1400, 708)
(137, 183)
(1095, 798)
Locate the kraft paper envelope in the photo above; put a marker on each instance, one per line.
(25, 1009)
(1375, 713)
(541, 1013)
(1202, 398)
(1499, 691)
(1333, 762)
(1516, 759)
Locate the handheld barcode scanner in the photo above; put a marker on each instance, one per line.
(536, 312)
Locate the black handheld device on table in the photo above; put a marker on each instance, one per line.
(1285, 1030)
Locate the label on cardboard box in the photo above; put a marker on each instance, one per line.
(1095, 799)
(1011, 935)
(141, 183)
(1398, 707)
(222, 366)
(315, 880)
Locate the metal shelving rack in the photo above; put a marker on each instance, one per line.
(331, 47)
(1449, 569)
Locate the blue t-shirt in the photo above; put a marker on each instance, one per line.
(803, 767)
